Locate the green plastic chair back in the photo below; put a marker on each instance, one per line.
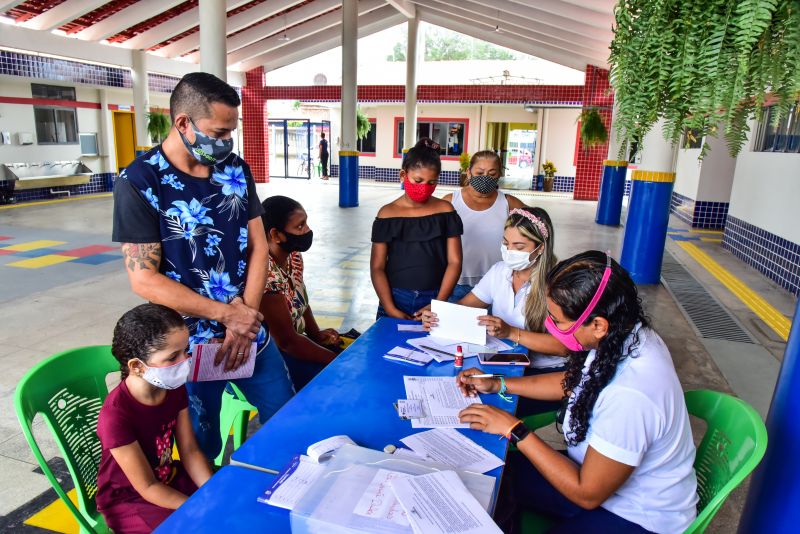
(235, 413)
(68, 390)
(733, 445)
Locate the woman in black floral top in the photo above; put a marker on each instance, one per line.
(305, 348)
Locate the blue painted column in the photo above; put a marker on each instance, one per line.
(773, 501)
(612, 190)
(348, 179)
(646, 225)
(348, 154)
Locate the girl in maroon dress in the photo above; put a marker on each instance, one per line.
(138, 483)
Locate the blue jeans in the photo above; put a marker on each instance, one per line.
(459, 292)
(529, 490)
(409, 300)
(301, 371)
(268, 389)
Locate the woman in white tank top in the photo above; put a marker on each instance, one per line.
(483, 209)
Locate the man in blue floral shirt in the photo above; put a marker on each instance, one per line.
(189, 221)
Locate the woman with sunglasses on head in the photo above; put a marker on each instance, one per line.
(630, 454)
(483, 208)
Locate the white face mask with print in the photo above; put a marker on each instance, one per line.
(170, 377)
(518, 260)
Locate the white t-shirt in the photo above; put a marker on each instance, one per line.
(640, 419)
(496, 289)
(483, 233)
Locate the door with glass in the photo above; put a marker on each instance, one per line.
(290, 148)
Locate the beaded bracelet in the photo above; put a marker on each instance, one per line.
(503, 389)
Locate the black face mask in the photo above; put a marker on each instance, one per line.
(297, 243)
(483, 183)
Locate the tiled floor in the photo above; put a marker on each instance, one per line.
(72, 303)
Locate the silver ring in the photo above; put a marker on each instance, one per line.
(240, 353)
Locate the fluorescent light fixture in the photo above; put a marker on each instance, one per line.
(7, 20)
(62, 33)
(284, 38)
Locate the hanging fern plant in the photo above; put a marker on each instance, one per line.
(593, 131)
(702, 64)
(158, 125)
(363, 126)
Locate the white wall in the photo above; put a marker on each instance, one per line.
(559, 139)
(716, 176)
(766, 190)
(17, 118)
(687, 172)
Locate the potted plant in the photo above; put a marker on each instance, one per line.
(549, 173)
(463, 163)
(363, 126)
(158, 125)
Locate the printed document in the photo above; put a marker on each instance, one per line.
(204, 370)
(378, 500)
(293, 482)
(411, 356)
(450, 447)
(439, 503)
(410, 408)
(443, 401)
(459, 323)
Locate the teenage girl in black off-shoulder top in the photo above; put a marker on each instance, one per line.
(416, 243)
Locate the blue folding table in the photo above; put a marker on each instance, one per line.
(354, 395)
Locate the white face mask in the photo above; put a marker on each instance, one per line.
(518, 260)
(170, 377)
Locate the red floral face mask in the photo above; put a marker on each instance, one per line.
(419, 192)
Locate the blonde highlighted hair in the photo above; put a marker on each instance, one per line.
(536, 305)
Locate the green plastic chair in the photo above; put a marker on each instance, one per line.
(235, 413)
(733, 445)
(68, 389)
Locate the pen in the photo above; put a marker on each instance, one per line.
(437, 350)
(487, 376)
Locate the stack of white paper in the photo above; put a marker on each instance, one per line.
(439, 503)
(413, 357)
(450, 447)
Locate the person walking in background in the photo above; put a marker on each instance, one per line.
(323, 155)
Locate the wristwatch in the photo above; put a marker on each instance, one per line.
(518, 433)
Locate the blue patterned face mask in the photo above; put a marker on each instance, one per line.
(207, 150)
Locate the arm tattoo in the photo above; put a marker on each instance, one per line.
(142, 256)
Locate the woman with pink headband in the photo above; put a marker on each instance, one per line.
(628, 467)
(514, 288)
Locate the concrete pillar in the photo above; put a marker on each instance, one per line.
(648, 210)
(141, 98)
(105, 135)
(213, 46)
(410, 119)
(774, 492)
(348, 154)
(612, 184)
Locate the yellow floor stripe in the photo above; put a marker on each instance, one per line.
(768, 313)
(56, 516)
(715, 232)
(41, 261)
(33, 245)
(56, 201)
(711, 239)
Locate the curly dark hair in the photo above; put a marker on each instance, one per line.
(571, 285)
(142, 331)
